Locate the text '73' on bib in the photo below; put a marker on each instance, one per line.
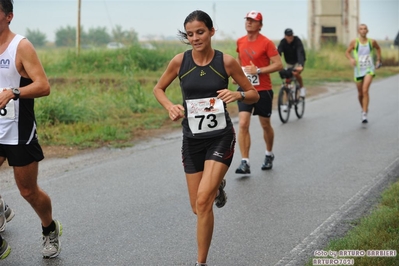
(205, 115)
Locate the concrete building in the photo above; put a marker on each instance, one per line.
(333, 21)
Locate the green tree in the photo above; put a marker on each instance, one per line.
(97, 36)
(37, 38)
(123, 36)
(118, 34)
(65, 36)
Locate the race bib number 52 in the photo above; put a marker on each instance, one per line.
(205, 115)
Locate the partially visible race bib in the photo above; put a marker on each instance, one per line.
(8, 112)
(253, 78)
(205, 115)
(364, 61)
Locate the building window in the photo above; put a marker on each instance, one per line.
(330, 30)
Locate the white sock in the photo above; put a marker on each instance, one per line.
(245, 159)
(269, 153)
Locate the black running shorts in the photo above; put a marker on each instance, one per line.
(196, 151)
(262, 108)
(21, 155)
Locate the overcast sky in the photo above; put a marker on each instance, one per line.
(165, 17)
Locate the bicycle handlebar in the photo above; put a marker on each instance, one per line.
(286, 73)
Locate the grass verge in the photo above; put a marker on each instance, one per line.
(379, 231)
(104, 97)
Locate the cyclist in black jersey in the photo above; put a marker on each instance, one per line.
(208, 133)
(294, 55)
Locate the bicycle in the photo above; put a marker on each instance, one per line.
(289, 96)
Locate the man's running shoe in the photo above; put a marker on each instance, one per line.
(3, 220)
(6, 215)
(9, 213)
(268, 164)
(364, 118)
(52, 243)
(5, 250)
(243, 168)
(200, 264)
(221, 199)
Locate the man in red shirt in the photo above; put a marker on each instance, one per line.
(258, 57)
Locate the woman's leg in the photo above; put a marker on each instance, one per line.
(202, 188)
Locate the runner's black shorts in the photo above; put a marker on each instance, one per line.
(262, 108)
(196, 151)
(21, 155)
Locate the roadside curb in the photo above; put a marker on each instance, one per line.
(338, 224)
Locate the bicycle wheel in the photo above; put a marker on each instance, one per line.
(283, 102)
(299, 103)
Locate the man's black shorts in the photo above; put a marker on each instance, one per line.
(21, 155)
(262, 108)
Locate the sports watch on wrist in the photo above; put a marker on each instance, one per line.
(16, 93)
(258, 70)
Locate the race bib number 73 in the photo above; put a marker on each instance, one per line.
(205, 115)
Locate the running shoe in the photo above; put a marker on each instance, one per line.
(9, 213)
(243, 168)
(5, 250)
(268, 164)
(200, 264)
(221, 199)
(52, 243)
(364, 118)
(3, 220)
(6, 215)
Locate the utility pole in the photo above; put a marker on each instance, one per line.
(214, 17)
(78, 30)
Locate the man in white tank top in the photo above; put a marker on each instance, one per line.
(361, 53)
(22, 79)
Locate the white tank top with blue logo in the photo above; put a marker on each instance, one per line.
(17, 120)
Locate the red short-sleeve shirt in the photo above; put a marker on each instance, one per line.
(259, 52)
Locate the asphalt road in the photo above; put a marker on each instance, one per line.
(131, 207)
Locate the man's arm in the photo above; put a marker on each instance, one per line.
(349, 51)
(280, 48)
(378, 49)
(276, 65)
(300, 51)
(29, 66)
